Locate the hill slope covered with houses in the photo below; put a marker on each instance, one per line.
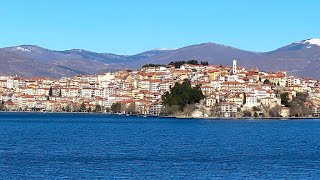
(197, 90)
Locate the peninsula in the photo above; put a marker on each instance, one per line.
(181, 88)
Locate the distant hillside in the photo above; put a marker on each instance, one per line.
(300, 58)
(213, 53)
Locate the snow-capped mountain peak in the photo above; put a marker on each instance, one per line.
(164, 49)
(313, 41)
(19, 48)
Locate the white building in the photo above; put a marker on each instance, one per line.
(234, 67)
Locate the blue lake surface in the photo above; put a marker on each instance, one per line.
(97, 146)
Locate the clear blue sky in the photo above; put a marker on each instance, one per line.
(132, 26)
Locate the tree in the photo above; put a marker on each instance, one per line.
(178, 64)
(278, 84)
(75, 107)
(254, 108)
(255, 114)
(97, 108)
(189, 109)
(60, 93)
(244, 98)
(68, 108)
(89, 109)
(285, 99)
(116, 107)
(170, 110)
(131, 108)
(266, 81)
(204, 63)
(1, 106)
(247, 113)
(123, 108)
(50, 91)
(215, 110)
(297, 106)
(82, 107)
(182, 95)
(275, 112)
(153, 65)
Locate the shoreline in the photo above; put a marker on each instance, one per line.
(174, 117)
(247, 118)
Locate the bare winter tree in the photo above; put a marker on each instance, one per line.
(169, 110)
(298, 107)
(247, 113)
(275, 112)
(215, 111)
(131, 108)
(189, 109)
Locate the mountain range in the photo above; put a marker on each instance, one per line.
(300, 58)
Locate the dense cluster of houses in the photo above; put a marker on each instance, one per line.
(231, 89)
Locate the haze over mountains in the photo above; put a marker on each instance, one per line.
(300, 58)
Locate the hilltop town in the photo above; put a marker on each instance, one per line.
(229, 91)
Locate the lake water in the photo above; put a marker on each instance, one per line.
(89, 146)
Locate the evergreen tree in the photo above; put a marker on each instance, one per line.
(266, 81)
(178, 64)
(50, 91)
(153, 65)
(244, 98)
(204, 63)
(182, 95)
(285, 99)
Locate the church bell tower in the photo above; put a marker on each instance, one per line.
(234, 67)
